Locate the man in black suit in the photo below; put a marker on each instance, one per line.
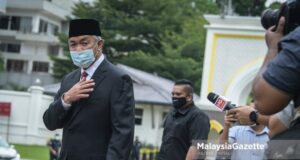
(95, 103)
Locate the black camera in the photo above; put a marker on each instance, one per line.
(290, 10)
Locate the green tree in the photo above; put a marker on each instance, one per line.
(249, 7)
(166, 37)
(183, 54)
(62, 65)
(132, 25)
(275, 5)
(245, 7)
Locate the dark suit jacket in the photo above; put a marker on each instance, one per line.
(99, 127)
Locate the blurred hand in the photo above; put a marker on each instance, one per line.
(229, 119)
(54, 152)
(79, 90)
(273, 37)
(242, 113)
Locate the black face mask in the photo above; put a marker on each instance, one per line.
(178, 102)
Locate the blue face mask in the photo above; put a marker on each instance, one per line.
(83, 59)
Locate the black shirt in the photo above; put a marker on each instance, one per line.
(181, 127)
(283, 72)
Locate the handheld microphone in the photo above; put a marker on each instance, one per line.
(221, 102)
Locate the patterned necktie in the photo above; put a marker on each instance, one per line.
(83, 75)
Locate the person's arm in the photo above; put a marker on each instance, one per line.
(49, 144)
(269, 99)
(122, 119)
(280, 121)
(224, 136)
(53, 151)
(275, 126)
(199, 128)
(242, 114)
(54, 117)
(192, 152)
(263, 119)
(228, 120)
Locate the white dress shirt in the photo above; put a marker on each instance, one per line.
(90, 71)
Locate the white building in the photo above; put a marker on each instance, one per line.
(234, 51)
(27, 38)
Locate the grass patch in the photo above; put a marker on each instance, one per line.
(33, 152)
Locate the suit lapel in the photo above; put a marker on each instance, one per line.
(98, 76)
(72, 80)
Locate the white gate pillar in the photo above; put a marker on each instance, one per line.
(35, 103)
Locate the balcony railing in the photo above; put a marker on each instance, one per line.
(41, 5)
(27, 35)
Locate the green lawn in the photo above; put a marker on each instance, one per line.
(33, 152)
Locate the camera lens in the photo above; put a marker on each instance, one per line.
(269, 18)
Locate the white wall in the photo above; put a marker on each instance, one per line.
(25, 123)
(34, 51)
(234, 51)
(27, 127)
(149, 132)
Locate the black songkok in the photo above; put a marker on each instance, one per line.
(79, 27)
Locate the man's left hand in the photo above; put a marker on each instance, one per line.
(242, 113)
(273, 37)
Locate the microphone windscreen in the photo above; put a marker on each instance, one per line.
(212, 97)
(218, 101)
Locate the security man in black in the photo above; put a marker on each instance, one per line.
(54, 145)
(183, 125)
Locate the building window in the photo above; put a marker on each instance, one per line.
(14, 48)
(15, 66)
(138, 116)
(43, 26)
(4, 20)
(10, 47)
(53, 29)
(16, 23)
(40, 67)
(25, 25)
(47, 28)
